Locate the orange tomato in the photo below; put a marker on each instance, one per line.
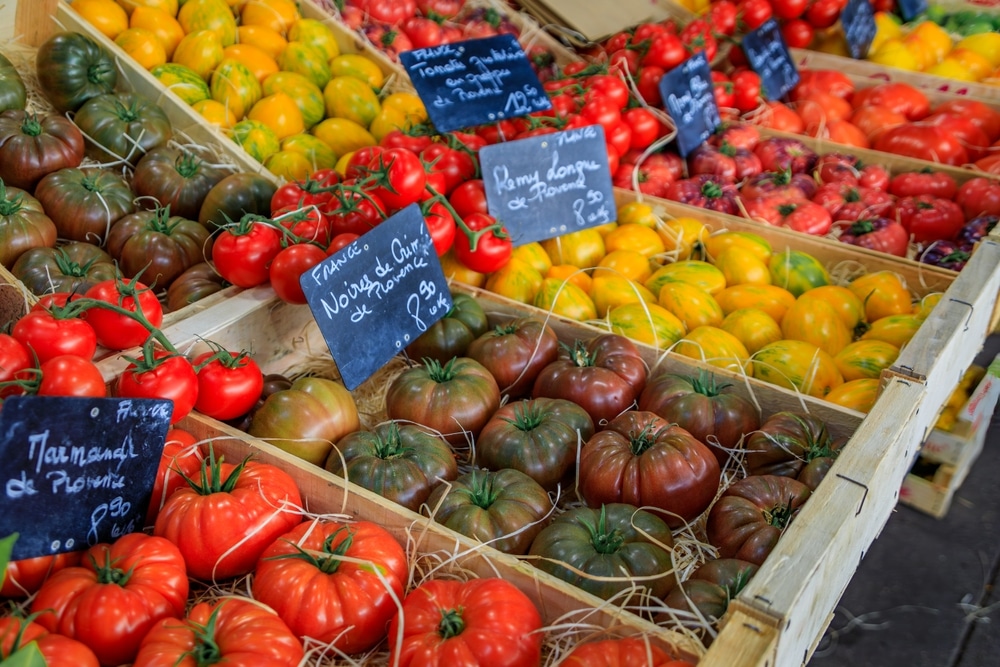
(683, 238)
(216, 113)
(455, 270)
(215, 15)
(692, 305)
(639, 213)
(715, 347)
(201, 51)
(630, 264)
(859, 394)
(647, 323)
(517, 280)
(583, 249)
(742, 266)
(168, 6)
(635, 237)
(848, 306)
(565, 299)
(534, 254)
(757, 245)
(752, 327)
(609, 291)
(143, 46)
(160, 23)
(267, 40)
(773, 300)
(865, 359)
(107, 16)
(883, 293)
(796, 364)
(924, 307)
(571, 273)
(815, 321)
(255, 58)
(278, 15)
(280, 113)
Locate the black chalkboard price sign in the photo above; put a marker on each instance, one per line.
(475, 81)
(373, 297)
(549, 185)
(910, 9)
(857, 19)
(690, 101)
(77, 471)
(768, 55)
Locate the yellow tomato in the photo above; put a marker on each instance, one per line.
(986, 44)
(143, 46)
(936, 39)
(565, 299)
(832, 42)
(773, 300)
(609, 291)
(924, 307)
(163, 25)
(315, 151)
(975, 64)
(409, 104)
(894, 53)
(629, 264)
(683, 238)
(848, 306)
(278, 15)
(455, 270)
(693, 271)
(316, 33)
(583, 249)
(267, 40)
(257, 139)
(760, 247)
(715, 347)
(256, 59)
(387, 120)
(358, 66)
(857, 395)
(886, 27)
(865, 359)
(306, 94)
(517, 280)
(951, 68)
(575, 275)
(883, 294)
(201, 51)
(107, 16)
(647, 323)
(214, 15)
(234, 85)
(280, 113)
(692, 305)
(894, 329)
(752, 327)
(798, 365)
(168, 6)
(215, 113)
(639, 213)
(350, 98)
(341, 168)
(342, 135)
(741, 266)
(815, 321)
(534, 254)
(289, 165)
(306, 60)
(632, 236)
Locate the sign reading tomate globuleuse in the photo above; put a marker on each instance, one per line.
(546, 186)
(475, 81)
(373, 297)
(77, 471)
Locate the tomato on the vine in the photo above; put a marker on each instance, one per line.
(117, 330)
(49, 335)
(441, 226)
(228, 384)
(289, 265)
(242, 253)
(493, 248)
(161, 374)
(398, 178)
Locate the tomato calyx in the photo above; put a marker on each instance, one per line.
(206, 650)
(527, 416)
(389, 445)
(187, 164)
(451, 624)
(210, 481)
(30, 126)
(605, 541)
(640, 441)
(482, 490)
(579, 355)
(439, 372)
(329, 559)
(706, 384)
(106, 571)
(150, 359)
(223, 356)
(9, 205)
(780, 515)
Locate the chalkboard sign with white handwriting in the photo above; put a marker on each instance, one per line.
(374, 296)
(857, 19)
(549, 185)
(689, 99)
(475, 81)
(77, 471)
(768, 55)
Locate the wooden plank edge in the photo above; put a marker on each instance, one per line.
(836, 526)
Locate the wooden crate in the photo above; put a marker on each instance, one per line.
(948, 456)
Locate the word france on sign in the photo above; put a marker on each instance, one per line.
(90, 472)
(689, 99)
(474, 82)
(373, 297)
(549, 185)
(768, 55)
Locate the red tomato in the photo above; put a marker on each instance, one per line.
(423, 32)
(341, 241)
(607, 86)
(243, 253)
(223, 526)
(69, 375)
(321, 596)
(625, 652)
(913, 183)
(822, 14)
(979, 113)
(304, 225)
(232, 630)
(399, 178)
(49, 335)
(746, 90)
(493, 248)
(929, 218)
(289, 265)
(648, 84)
(900, 97)
(115, 596)
(14, 356)
(965, 129)
(448, 623)
(441, 226)
(646, 127)
(161, 375)
(979, 196)
(56, 650)
(882, 234)
(25, 576)
(798, 33)
(229, 384)
(666, 51)
(827, 81)
(351, 210)
(723, 15)
(469, 198)
(457, 166)
(924, 141)
(310, 192)
(119, 327)
(786, 10)
(753, 13)
(181, 457)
